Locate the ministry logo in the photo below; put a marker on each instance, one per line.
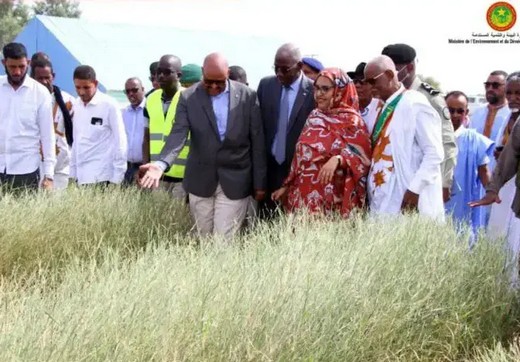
(501, 16)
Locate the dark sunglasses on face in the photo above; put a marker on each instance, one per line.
(322, 88)
(166, 72)
(456, 110)
(494, 85)
(373, 81)
(358, 81)
(284, 70)
(218, 83)
(131, 90)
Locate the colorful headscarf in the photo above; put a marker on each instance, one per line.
(345, 93)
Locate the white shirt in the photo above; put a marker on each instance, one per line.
(410, 160)
(100, 146)
(133, 118)
(25, 122)
(370, 113)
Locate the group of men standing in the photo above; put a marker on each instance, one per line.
(205, 135)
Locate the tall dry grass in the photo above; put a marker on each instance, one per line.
(299, 289)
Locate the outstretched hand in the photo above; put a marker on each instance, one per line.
(488, 199)
(149, 176)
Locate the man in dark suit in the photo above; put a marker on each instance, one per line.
(286, 100)
(227, 152)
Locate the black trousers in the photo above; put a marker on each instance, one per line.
(28, 181)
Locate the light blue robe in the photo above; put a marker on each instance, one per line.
(474, 150)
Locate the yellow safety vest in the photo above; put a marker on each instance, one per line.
(160, 128)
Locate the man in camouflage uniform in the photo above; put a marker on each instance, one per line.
(403, 56)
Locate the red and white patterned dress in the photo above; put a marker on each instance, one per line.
(338, 131)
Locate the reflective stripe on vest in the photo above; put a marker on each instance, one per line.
(160, 128)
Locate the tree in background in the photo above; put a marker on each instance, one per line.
(14, 14)
(13, 17)
(61, 8)
(431, 81)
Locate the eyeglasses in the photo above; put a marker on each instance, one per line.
(456, 110)
(494, 85)
(218, 83)
(131, 90)
(372, 81)
(284, 70)
(166, 72)
(322, 88)
(358, 81)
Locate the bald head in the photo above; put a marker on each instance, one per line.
(381, 63)
(289, 52)
(215, 63)
(170, 61)
(134, 91)
(380, 72)
(215, 72)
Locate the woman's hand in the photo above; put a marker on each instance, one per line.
(279, 194)
(327, 171)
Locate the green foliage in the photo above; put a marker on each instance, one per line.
(61, 8)
(13, 17)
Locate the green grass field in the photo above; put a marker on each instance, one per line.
(116, 276)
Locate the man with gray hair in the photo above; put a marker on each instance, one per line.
(407, 148)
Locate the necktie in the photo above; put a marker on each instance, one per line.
(281, 133)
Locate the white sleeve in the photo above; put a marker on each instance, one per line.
(119, 143)
(47, 136)
(428, 135)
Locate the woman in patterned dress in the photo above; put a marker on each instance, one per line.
(333, 155)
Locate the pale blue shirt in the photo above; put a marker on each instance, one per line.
(134, 121)
(293, 92)
(220, 105)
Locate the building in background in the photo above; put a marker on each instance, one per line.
(119, 51)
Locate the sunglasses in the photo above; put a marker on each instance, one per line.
(322, 88)
(166, 72)
(131, 90)
(494, 85)
(218, 83)
(284, 70)
(456, 110)
(358, 81)
(372, 81)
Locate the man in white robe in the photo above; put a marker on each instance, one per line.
(407, 148)
(489, 119)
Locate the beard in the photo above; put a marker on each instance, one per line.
(492, 98)
(15, 81)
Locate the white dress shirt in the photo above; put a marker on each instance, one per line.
(100, 146)
(25, 123)
(134, 121)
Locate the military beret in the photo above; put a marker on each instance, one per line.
(313, 63)
(400, 53)
(359, 73)
(191, 73)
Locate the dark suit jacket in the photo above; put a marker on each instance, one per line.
(238, 162)
(269, 94)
